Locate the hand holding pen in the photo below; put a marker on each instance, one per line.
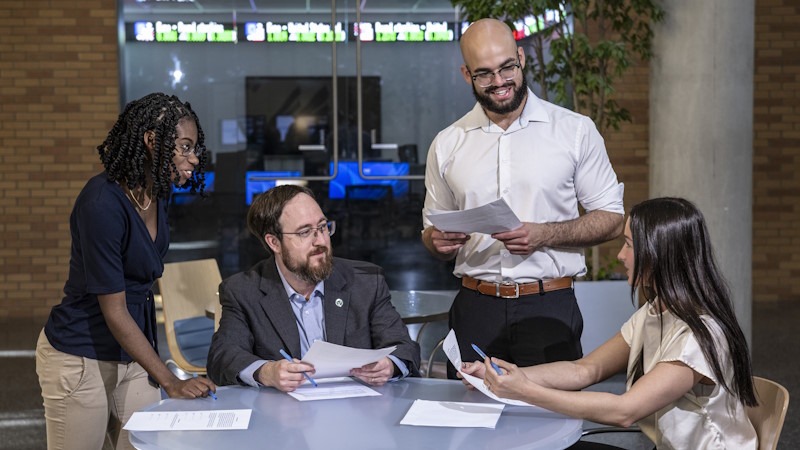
(483, 355)
(210, 392)
(289, 358)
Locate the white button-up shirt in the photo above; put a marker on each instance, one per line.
(547, 161)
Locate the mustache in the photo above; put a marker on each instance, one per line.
(319, 250)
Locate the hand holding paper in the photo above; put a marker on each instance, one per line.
(454, 355)
(377, 373)
(491, 218)
(446, 243)
(331, 360)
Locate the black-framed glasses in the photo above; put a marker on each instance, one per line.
(507, 73)
(185, 151)
(305, 233)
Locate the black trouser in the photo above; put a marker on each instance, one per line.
(526, 331)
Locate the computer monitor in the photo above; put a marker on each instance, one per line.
(253, 187)
(183, 196)
(348, 175)
(294, 115)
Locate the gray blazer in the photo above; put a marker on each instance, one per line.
(257, 319)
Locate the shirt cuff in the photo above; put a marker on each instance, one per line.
(247, 374)
(400, 365)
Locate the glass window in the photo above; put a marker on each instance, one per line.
(260, 75)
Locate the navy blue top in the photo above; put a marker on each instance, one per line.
(111, 252)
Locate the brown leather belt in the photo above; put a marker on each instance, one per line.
(514, 290)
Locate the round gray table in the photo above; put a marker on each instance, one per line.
(278, 421)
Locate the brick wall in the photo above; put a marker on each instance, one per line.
(58, 98)
(776, 151)
(628, 147)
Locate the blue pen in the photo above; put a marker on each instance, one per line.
(483, 355)
(209, 391)
(289, 358)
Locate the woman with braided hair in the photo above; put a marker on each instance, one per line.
(97, 357)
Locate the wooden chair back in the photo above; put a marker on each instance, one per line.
(188, 289)
(768, 416)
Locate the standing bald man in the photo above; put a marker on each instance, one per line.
(516, 301)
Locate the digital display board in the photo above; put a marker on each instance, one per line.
(181, 32)
(318, 32)
(409, 32)
(293, 32)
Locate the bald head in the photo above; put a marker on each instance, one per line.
(486, 38)
(491, 54)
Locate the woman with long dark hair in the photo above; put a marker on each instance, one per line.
(688, 365)
(97, 357)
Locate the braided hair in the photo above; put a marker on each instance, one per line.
(127, 159)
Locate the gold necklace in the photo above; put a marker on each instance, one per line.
(133, 197)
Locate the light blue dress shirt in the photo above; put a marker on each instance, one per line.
(310, 318)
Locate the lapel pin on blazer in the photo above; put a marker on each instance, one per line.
(339, 302)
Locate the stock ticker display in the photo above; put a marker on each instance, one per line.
(314, 32)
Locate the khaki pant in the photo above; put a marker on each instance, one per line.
(86, 401)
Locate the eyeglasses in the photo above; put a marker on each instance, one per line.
(185, 150)
(305, 233)
(507, 73)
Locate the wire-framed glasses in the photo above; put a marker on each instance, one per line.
(305, 233)
(184, 150)
(507, 73)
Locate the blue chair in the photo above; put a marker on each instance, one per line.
(194, 337)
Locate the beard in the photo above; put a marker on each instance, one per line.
(488, 104)
(304, 270)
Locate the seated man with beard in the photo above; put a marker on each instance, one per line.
(299, 295)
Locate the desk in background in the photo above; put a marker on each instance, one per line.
(281, 422)
(422, 306)
(421, 310)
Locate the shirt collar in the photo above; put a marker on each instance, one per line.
(533, 111)
(319, 289)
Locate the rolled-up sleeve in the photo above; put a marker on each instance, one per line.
(596, 183)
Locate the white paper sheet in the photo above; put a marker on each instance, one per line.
(330, 388)
(453, 353)
(223, 419)
(490, 218)
(429, 413)
(331, 360)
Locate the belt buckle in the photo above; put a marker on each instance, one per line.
(507, 283)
